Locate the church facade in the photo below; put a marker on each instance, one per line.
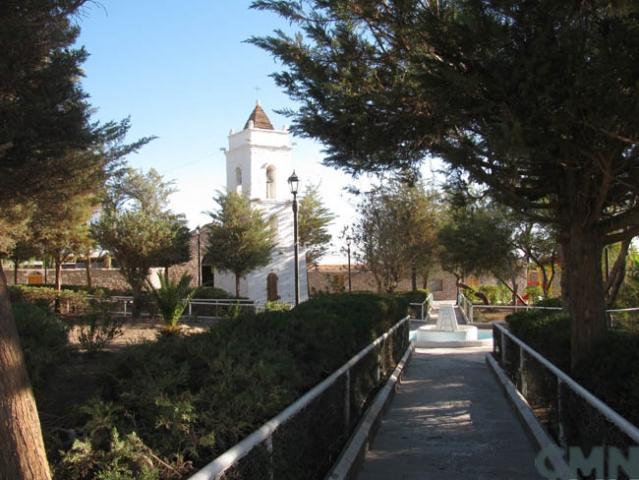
(258, 164)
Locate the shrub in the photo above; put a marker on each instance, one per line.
(45, 297)
(546, 331)
(496, 293)
(277, 306)
(100, 327)
(534, 293)
(172, 298)
(211, 293)
(189, 398)
(44, 340)
(549, 302)
(612, 373)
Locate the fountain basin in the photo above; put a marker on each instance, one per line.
(462, 336)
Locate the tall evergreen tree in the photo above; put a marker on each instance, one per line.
(535, 100)
(240, 238)
(314, 219)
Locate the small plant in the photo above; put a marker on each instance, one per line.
(172, 299)
(277, 306)
(101, 329)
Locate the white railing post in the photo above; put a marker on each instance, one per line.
(125, 302)
(190, 309)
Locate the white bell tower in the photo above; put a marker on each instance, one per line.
(258, 161)
(258, 164)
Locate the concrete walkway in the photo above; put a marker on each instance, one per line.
(449, 420)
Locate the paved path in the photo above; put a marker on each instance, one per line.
(449, 420)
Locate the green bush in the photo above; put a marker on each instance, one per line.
(612, 373)
(211, 293)
(189, 398)
(277, 306)
(99, 327)
(535, 293)
(496, 294)
(546, 331)
(45, 297)
(549, 302)
(44, 340)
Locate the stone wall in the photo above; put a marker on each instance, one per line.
(101, 277)
(334, 278)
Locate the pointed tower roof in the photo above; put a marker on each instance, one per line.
(259, 119)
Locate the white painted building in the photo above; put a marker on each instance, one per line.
(258, 164)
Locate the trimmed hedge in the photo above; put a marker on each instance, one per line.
(188, 399)
(46, 297)
(612, 371)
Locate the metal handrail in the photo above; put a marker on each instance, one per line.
(466, 307)
(614, 417)
(213, 470)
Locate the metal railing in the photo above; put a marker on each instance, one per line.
(285, 448)
(424, 307)
(466, 307)
(572, 415)
(204, 307)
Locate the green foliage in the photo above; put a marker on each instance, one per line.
(496, 294)
(277, 306)
(612, 373)
(189, 398)
(397, 229)
(137, 228)
(477, 241)
(46, 297)
(44, 340)
(546, 331)
(172, 298)
(120, 459)
(535, 293)
(211, 293)
(240, 238)
(550, 302)
(314, 219)
(99, 327)
(523, 98)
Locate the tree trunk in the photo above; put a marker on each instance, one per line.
(425, 279)
(22, 455)
(58, 275)
(237, 286)
(413, 277)
(618, 274)
(136, 291)
(582, 250)
(88, 270)
(16, 264)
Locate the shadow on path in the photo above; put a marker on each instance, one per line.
(449, 420)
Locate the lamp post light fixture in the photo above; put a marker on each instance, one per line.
(199, 256)
(348, 250)
(294, 183)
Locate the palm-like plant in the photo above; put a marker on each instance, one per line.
(172, 298)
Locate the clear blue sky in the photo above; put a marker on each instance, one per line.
(182, 71)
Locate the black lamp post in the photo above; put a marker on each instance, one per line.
(293, 183)
(348, 250)
(199, 258)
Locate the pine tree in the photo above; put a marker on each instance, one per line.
(240, 238)
(536, 101)
(314, 219)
